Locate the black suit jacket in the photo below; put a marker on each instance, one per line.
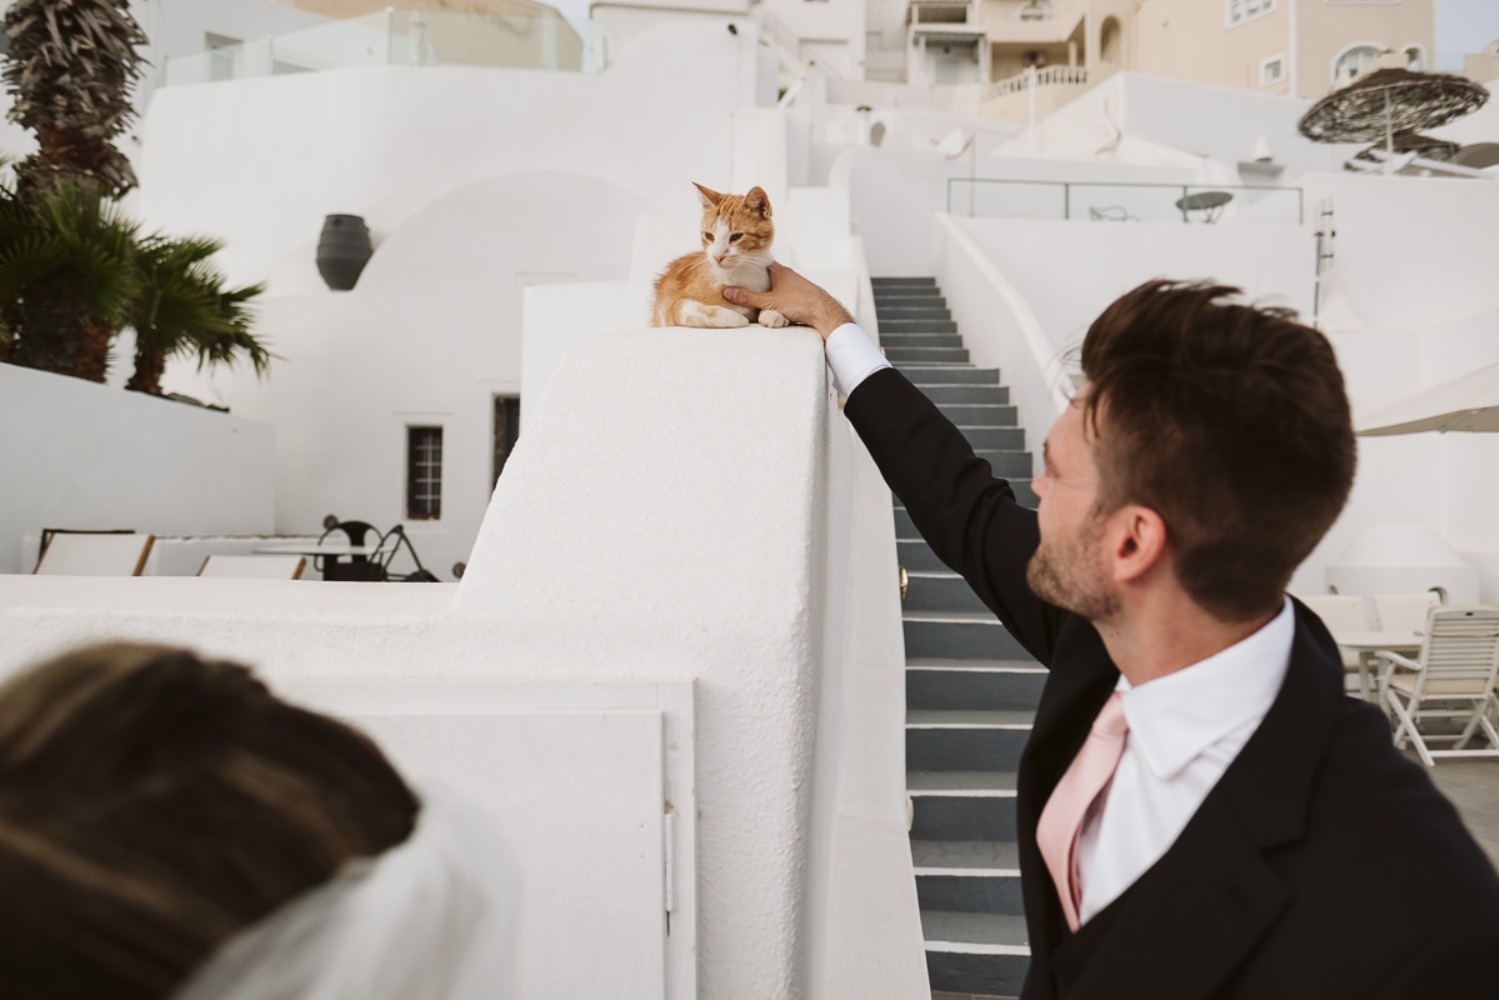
(1324, 864)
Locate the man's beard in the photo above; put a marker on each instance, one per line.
(1064, 574)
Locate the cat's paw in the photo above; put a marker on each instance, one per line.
(773, 319)
(712, 317)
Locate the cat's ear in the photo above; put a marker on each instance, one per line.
(710, 197)
(758, 201)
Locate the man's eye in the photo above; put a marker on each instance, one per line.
(736, 237)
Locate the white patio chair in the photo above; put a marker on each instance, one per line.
(1454, 674)
(254, 567)
(84, 553)
(1404, 612)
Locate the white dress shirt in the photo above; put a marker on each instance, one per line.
(1185, 729)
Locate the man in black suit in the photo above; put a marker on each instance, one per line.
(1202, 812)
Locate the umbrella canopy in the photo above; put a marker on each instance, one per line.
(1469, 403)
(1375, 107)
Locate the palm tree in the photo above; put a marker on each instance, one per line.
(68, 277)
(70, 70)
(183, 309)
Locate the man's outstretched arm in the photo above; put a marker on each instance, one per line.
(969, 518)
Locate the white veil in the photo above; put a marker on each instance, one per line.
(432, 917)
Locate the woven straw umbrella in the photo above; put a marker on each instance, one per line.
(1376, 107)
(1425, 146)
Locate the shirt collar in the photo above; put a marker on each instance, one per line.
(1174, 719)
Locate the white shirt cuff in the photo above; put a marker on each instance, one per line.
(853, 357)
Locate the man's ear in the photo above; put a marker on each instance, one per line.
(1137, 542)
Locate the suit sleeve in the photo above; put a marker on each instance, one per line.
(968, 517)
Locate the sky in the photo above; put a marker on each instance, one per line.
(1464, 26)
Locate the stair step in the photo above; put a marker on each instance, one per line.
(994, 894)
(892, 281)
(1011, 691)
(993, 932)
(952, 857)
(939, 591)
(980, 415)
(905, 340)
(990, 748)
(958, 817)
(909, 298)
(931, 374)
(927, 355)
(917, 326)
(959, 636)
(989, 959)
(909, 309)
(974, 784)
(972, 394)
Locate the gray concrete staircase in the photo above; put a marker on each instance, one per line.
(971, 690)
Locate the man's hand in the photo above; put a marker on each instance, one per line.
(796, 298)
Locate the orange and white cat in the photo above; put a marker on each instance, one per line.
(736, 236)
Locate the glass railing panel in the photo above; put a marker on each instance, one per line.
(1007, 199)
(1097, 202)
(1123, 203)
(1275, 205)
(402, 38)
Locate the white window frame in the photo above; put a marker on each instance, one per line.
(1237, 12)
(1265, 64)
(442, 469)
(1379, 48)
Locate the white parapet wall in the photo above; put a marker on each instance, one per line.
(86, 456)
(673, 671)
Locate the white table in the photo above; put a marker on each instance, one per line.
(1365, 644)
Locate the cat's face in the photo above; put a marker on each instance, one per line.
(736, 228)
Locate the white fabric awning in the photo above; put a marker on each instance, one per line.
(1469, 403)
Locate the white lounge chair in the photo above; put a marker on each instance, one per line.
(254, 567)
(1454, 675)
(88, 553)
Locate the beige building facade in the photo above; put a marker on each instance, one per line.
(513, 33)
(1301, 48)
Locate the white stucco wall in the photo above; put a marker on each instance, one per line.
(646, 532)
(384, 142)
(429, 336)
(88, 456)
(475, 183)
(1413, 269)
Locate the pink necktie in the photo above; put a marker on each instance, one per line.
(1062, 819)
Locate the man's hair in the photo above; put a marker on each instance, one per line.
(153, 803)
(1230, 421)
